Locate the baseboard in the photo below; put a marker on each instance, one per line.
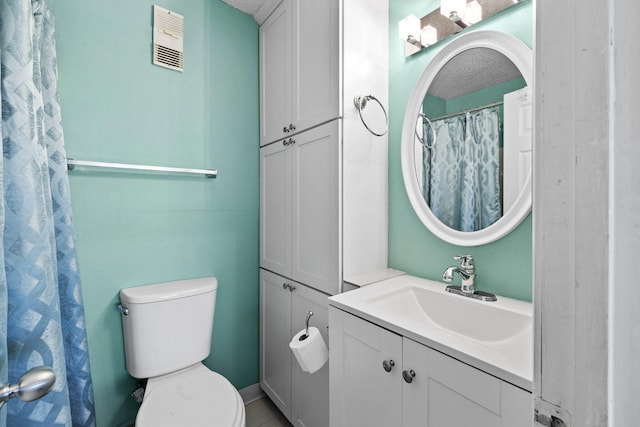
(251, 393)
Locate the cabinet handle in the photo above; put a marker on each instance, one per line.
(408, 375)
(388, 365)
(292, 127)
(285, 129)
(292, 141)
(292, 288)
(285, 285)
(289, 141)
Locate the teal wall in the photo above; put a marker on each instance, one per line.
(139, 228)
(504, 267)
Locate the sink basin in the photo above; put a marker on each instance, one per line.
(478, 320)
(496, 337)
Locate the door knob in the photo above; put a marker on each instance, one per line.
(408, 376)
(34, 384)
(388, 365)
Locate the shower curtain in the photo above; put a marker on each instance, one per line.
(461, 169)
(42, 317)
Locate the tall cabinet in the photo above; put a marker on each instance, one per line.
(299, 68)
(322, 180)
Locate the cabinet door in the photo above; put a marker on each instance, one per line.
(275, 208)
(275, 73)
(275, 334)
(316, 199)
(310, 391)
(316, 56)
(448, 393)
(363, 393)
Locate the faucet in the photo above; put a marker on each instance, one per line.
(467, 272)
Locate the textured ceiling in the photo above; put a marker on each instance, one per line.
(247, 6)
(472, 70)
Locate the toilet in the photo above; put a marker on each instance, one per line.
(167, 333)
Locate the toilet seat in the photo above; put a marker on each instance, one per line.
(194, 397)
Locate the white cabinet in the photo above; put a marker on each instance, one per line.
(300, 200)
(379, 378)
(362, 392)
(284, 304)
(307, 161)
(299, 68)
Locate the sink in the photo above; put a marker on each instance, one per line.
(496, 337)
(473, 319)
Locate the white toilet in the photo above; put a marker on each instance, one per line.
(167, 333)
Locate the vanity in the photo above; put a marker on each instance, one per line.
(404, 351)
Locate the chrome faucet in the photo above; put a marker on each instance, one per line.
(467, 272)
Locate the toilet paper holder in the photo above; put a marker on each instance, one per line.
(306, 332)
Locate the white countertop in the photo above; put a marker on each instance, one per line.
(510, 359)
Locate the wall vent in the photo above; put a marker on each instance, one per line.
(168, 39)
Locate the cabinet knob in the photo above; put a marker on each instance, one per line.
(285, 129)
(292, 288)
(285, 285)
(292, 127)
(408, 375)
(387, 365)
(292, 141)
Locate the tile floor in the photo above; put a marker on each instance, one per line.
(263, 413)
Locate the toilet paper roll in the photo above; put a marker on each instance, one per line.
(311, 353)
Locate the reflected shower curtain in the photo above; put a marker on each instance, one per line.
(42, 319)
(461, 173)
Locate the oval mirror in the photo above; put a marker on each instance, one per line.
(467, 139)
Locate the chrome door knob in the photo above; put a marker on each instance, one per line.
(408, 375)
(388, 365)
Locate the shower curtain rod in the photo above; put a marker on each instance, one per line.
(468, 111)
(208, 173)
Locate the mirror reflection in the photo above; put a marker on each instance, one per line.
(473, 139)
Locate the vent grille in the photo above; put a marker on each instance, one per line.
(168, 20)
(168, 57)
(168, 39)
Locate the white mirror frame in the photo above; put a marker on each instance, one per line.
(520, 54)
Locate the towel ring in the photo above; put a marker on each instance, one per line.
(361, 102)
(433, 131)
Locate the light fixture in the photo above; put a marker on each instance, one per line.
(473, 13)
(409, 31)
(428, 35)
(419, 33)
(454, 10)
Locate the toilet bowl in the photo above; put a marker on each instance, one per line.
(167, 334)
(195, 396)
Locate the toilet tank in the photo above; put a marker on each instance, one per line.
(167, 326)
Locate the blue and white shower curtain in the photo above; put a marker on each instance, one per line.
(41, 313)
(461, 169)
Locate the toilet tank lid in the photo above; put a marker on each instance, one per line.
(159, 292)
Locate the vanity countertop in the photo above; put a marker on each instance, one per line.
(495, 337)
